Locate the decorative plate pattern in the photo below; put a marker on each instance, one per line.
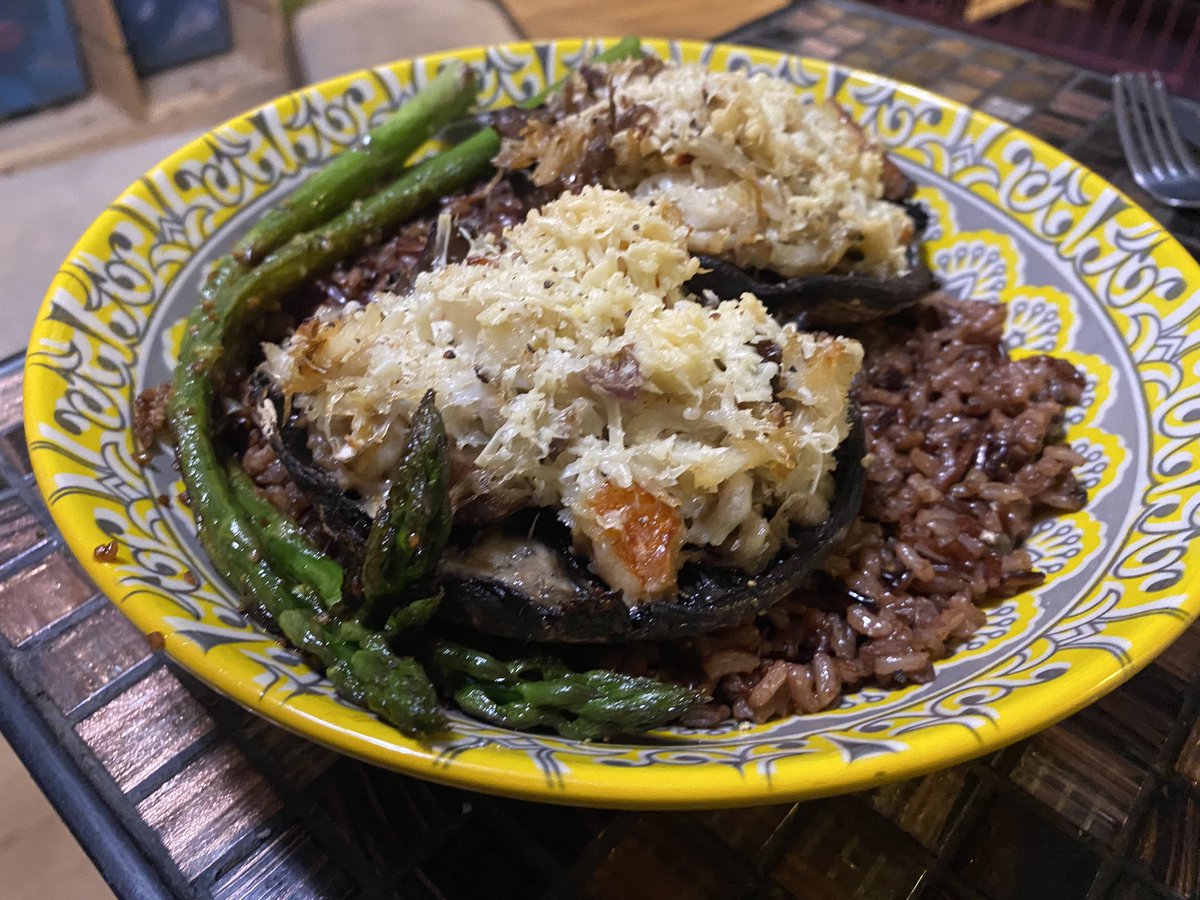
(1084, 273)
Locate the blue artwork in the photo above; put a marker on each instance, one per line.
(39, 57)
(163, 34)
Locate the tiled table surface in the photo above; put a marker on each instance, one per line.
(174, 790)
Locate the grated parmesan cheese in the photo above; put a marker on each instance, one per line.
(572, 370)
(762, 177)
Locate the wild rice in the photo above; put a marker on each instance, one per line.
(965, 452)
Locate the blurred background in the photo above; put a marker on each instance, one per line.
(94, 92)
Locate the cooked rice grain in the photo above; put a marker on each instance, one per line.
(965, 452)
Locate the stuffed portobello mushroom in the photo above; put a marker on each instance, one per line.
(576, 376)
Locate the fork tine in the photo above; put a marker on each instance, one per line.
(1123, 108)
(1162, 111)
(1157, 133)
(1141, 128)
(1140, 120)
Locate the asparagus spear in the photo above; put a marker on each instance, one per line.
(413, 615)
(287, 545)
(409, 532)
(366, 671)
(396, 689)
(544, 692)
(227, 534)
(250, 297)
(352, 174)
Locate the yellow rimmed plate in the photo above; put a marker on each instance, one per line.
(1084, 273)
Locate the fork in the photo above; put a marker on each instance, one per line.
(1158, 158)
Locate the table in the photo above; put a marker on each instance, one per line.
(174, 791)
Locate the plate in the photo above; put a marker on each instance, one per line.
(1084, 272)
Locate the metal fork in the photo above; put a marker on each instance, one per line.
(1159, 159)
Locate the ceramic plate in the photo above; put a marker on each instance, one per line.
(1085, 274)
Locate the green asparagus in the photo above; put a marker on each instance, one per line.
(543, 691)
(332, 188)
(409, 532)
(252, 294)
(227, 534)
(289, 548)
(366, 671)
(413, 615)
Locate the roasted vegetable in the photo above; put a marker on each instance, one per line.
(290, 549)
(606, 129)
(543, 691)
(380, 155)
(226, 531)
(365, 670)
(826, 302)
(413, 615)
(363, 222)
(519, 578)
(341, 513)
(409, 533)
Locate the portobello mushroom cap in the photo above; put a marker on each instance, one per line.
(518, 578)
(340, 511)
(825, 301)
